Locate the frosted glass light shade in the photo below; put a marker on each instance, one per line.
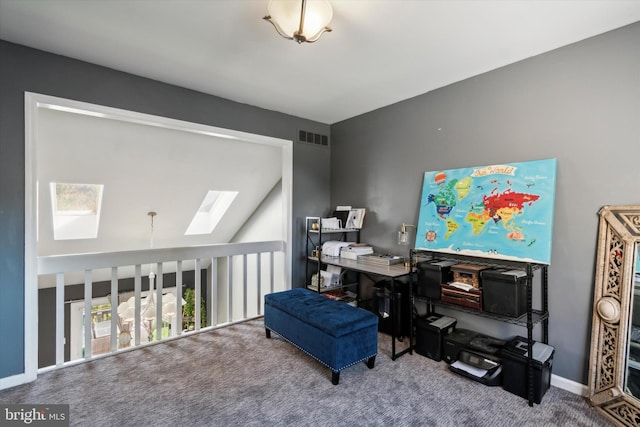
(285, 15)
(403, 238)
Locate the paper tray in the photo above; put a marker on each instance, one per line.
(490, 378)
(380, 259)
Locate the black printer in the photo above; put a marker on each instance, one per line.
(474, 356)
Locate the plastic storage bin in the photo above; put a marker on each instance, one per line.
(430, 333)
(431, 274)
(504, 291)
(514, 368)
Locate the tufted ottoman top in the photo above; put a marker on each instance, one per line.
(332, 317)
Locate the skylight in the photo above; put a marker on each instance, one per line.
(211, 210)
(76, 210)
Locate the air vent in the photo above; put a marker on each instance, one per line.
(313, 138)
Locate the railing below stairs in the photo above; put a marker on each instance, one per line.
(229, 279)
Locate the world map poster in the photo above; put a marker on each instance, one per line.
(500, 211)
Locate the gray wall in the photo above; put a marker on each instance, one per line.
(579, 104)
(24, 69)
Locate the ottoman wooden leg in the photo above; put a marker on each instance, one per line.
(268, 332)
(335, 377)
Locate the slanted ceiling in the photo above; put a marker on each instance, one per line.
(145, 168)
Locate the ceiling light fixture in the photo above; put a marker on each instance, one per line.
(300, 20)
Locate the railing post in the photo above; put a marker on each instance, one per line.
(114, 308)
(137, 291)
(88, 288)
(259, 282)
(197, 293)
(244, 286)
(178, 297)
(159, 288)
(60, 341)
(271, 272)
(213, 291)
(230, 288)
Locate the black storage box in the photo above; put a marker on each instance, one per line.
(430, 332)
(514, 368)
(504, 291)
(431, 274)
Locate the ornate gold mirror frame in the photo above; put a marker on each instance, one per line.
(618, 238)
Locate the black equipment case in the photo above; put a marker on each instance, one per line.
(514, 360)
(430, 333)
(504, 291)
(431, 274)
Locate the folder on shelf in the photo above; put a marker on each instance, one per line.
(380, 259)
(342, 215)
(332, 223)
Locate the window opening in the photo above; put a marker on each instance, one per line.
(76, 210)
(213, 207)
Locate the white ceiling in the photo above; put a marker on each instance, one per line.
(380, 51)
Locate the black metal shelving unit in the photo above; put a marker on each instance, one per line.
(529, 320)
(315, 238)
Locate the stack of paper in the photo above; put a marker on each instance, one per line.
(464, 286)
(476, 372)
(332, 247)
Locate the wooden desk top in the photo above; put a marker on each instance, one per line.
(394, 270)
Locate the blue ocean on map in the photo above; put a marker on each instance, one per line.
(502, 211)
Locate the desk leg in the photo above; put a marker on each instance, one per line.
(393, 319)
(393, 313)
(411, 315)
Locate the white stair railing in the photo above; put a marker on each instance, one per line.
(225, 292)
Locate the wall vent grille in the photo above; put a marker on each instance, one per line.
(313, 138)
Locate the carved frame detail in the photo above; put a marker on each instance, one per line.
(618, 236)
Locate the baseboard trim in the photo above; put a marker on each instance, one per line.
(15, 380)
(569, 385)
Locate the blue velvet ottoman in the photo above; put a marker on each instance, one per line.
(332, 332)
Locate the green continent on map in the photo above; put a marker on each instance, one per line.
(445, 199)
(501, 207)
(452, 226)
(463, 186)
